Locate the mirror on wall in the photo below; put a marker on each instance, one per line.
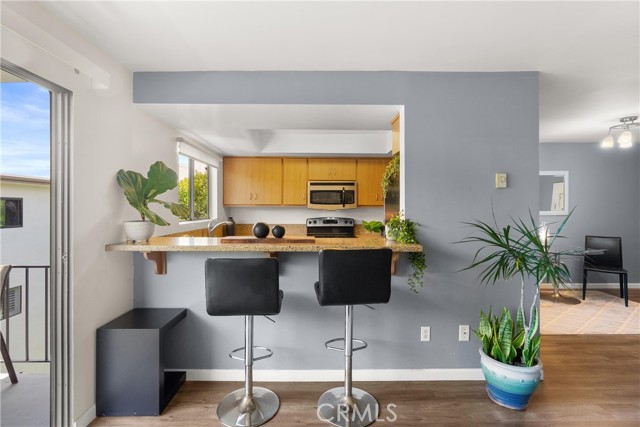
(554, 192)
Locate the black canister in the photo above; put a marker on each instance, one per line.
(230, 229)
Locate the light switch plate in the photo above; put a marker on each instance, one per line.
(501, 180)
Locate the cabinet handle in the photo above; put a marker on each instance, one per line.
(250, 196)
(256, 196)
(376, 197)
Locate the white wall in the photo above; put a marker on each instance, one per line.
(298, 215)
(29, 244)
(109, 133)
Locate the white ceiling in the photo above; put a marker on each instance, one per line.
(588, 53)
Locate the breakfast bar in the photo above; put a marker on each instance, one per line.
(155, 249)
(199, 344)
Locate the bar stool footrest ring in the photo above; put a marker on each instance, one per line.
(258, 347)
(362, 346)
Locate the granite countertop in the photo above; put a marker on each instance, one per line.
(213, 244)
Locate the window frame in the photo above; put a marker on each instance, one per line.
(20, 211)
(191, 175)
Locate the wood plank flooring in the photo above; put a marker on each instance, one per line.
(589, 381)
(634, 294)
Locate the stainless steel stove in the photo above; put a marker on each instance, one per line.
(330, 227)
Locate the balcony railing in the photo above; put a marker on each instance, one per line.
(25, 313)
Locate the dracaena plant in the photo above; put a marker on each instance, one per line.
(141, 191)
(516, 250)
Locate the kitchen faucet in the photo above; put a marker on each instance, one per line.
(215, 223)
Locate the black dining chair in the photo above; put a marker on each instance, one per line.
(604, 255)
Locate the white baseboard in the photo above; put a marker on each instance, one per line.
(86, 418)
(592, 286)
(328, 375)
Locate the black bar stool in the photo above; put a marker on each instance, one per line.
(351, 277)
(245, 287)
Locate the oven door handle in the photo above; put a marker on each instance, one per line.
(343, 197)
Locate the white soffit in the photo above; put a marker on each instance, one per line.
(588, 52)
(304, 130)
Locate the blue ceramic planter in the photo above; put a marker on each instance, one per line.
(507, 385)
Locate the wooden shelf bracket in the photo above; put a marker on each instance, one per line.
(394, 261)
(159, 259)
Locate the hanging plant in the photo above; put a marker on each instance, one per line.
(403, 230)
(391, 172)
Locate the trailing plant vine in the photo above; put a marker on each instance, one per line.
(390, 172)
(403, 230)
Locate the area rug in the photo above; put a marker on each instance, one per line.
(600, 313)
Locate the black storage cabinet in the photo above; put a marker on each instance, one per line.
(130, 375)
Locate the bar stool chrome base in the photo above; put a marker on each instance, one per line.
(237, 410)
(359, 411)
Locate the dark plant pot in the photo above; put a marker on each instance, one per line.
(278, 231)
(260, 230)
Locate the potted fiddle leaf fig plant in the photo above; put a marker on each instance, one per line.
(509, 350)
(140, 192)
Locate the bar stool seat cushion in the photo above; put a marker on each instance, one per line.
(351, 277)
(242, 287)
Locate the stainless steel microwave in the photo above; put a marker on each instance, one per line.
(332, 195)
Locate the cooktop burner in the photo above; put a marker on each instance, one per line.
(330, 227)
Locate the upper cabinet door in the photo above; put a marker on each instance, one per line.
(252, 181)
(370, 172)
(332, 169)
(294, 182)
(267, 181)
(236, 181)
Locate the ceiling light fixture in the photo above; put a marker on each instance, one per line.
(625, 140)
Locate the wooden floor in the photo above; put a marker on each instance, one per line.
(634, 294)
(589, 381)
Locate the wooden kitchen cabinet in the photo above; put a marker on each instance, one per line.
(395, 135)
(369, 178)
(252, 181)
(332, 169)
(294, 182)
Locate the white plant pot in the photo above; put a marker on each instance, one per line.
(138, 231)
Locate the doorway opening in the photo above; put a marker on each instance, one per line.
(34, 241)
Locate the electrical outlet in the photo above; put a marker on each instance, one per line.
(501, 180)
(425, 333)
(463, 333)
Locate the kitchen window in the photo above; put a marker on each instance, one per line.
(10, 212)
(194, 184)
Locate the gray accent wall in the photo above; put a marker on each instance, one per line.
(460, 129)
(604, 190)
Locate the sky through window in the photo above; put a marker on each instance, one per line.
(24, 129)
